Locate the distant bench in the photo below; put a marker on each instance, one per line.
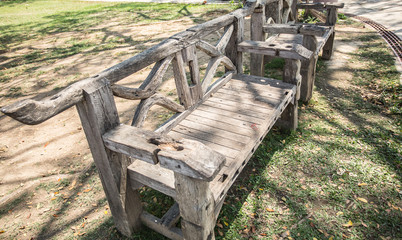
(199, 152)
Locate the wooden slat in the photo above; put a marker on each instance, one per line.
(237, 102)
(210, 136)
(222, 124)
(223, 118)
(153, 176)
(171, 217)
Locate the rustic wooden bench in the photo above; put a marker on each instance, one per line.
(272, 28)
(198, 153)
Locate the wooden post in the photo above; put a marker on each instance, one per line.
(274, 10)
(328, 49)
(183, 90)
(98, 114)
(308, 69)
(197, 207)
(237, 37)
(293, 8)
(291, 74)
(257, 34)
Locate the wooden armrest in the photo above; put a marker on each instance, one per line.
(304, 29)
(187, 157)
(285, 50)
(319, 5)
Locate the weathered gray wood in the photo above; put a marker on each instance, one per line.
(153, 176)
(192, 62)
(274, 10)
(290, 51)
(183, 90)
(98, 115)
(224, 40)
(171, 216)
(157, 99)
(155, 223)
(134, 142)
(295, 29)
(175, 119)
(319, 5)
(328, 48)
(256, 34)
(308, 69)
(291, 74)
(332, 14)
(208, 49)
(191, 158)
(236, 37)
(149, 86)
(196, 208)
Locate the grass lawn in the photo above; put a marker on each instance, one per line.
(337, 177)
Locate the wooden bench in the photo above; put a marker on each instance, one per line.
(198, 153)
(272, 28)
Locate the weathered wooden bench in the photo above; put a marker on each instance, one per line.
(272, 20)
(198, 153)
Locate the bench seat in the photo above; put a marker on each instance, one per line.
(233, 122)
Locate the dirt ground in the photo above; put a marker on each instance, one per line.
(48, 185)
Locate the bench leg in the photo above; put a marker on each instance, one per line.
(328, 47)
(98, 114)
(291, 74)
(256, 31)
(197, 207)
(308, 76)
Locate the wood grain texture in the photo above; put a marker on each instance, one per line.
(183, 90)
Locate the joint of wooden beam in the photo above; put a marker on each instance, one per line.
(186, 157)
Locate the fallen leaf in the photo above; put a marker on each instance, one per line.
(53, 199)
(219, 225)
(339, 213)
(2, 231)
(245, 231)
(72, 184)
(303, 187)
(80, 234)
(155, 200)
(23, 227)
(83, 225)
(220, 233)
(87, 190)
(340, 179)
(29, 215)
(105, 212)
(226, 224)
(55, 215)
(283, 199)
(312, 224)
(364, 225)
(253, 229)
(362, 200)
(263, 234)
(270, 210)
(331, 238)
(349, 224)
(315, 238)
(46, 144)
(362, 184)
